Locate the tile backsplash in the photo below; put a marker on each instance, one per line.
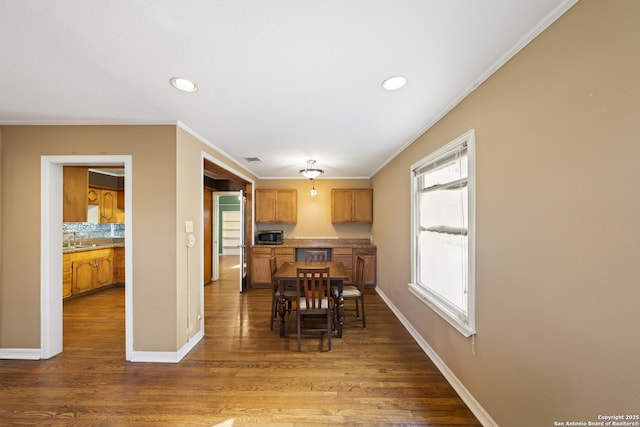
(76, 232)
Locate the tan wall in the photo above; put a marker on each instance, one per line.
(154, 217)
(558, 203)
(314, 213)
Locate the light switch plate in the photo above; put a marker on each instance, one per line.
(188, 226)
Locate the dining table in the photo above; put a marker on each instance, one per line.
(286, 276)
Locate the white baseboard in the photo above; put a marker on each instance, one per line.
(21, 353)
(474, 406)
(167, 356)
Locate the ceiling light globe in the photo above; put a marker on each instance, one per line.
(311, 173)
(394, 83)
(182, 84)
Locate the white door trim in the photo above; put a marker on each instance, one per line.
(51, 248)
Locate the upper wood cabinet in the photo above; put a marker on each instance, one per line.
(352, 205)
(74, 186)
(107, 200)
(276, 206)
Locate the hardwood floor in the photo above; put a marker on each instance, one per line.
(240, 370)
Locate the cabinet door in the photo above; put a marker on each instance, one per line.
(266, 205)
(104, 271)
(369, 256)
(67, 274)
(108, 202)
(363, 205)
(93, 196)
(260, 266)
(345, 256)
(341, 201)
(284, 255)
(83, 275)
(287, 206)
(119, 270)
(74, 188)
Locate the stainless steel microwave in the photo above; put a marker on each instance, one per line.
(271, 237)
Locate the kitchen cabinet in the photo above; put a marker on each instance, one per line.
(276, 206)
(345, 256)
(261, 259)
(75, 180)
(260, 265)
(284, 255)
(67, 286)
(107, 200)
(352, 205)
(261, 255)
(90, 270)
(119, 272)
(369, 255)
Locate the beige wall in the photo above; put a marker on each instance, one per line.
(558, 202)
(167, 191)
(154, 187)
(314, 213)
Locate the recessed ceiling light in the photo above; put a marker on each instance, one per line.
(183, 84)
(394, 83)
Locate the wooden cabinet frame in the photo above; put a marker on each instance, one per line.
(276, 206)
(352, 205)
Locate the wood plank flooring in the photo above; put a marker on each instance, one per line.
(240, 370)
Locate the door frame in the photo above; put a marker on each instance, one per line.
(51, 247)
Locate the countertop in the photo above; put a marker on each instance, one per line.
(94, 245)
(323, 243)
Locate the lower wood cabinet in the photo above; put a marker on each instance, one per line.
(260, 267)
(86, 271)
(260, 262)
(67, 286)
(261, 256)
(119, 273)
(345, 256)
(369, 255)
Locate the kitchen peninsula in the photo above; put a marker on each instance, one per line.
(341, 250)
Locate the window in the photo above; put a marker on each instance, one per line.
(443, 207)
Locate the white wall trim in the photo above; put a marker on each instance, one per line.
(475, 407)
(20, 353)
(51, 247)
(167, 356)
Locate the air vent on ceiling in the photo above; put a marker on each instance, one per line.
(253, 159)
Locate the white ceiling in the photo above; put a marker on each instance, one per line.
(282, 80)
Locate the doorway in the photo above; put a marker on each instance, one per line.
(51, 235)
(219, 180)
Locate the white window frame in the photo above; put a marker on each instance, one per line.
(465, 324)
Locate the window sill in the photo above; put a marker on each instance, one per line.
(464, 328)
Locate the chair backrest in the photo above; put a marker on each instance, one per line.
(312, 287)
(358, 277)
(315, 256)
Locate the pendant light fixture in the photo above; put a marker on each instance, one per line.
(314, 192)
(311, 171)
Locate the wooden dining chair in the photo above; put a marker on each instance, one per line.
(355, 292)
(315, 256)
(289, 292)
(313, 299)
